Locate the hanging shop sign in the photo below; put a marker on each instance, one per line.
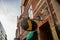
(29, 25)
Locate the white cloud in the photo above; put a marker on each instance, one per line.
(8, 17)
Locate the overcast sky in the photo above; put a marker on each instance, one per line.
(9, 9)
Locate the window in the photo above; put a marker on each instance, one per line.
(22, 9)
(25, 2)
(30, 12)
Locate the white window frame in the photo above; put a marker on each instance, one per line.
(30, 12)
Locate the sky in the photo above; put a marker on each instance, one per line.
(9, 10)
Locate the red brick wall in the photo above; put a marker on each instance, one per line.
(26, 8)
(34, 3)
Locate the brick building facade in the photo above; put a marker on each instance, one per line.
(44, 13)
